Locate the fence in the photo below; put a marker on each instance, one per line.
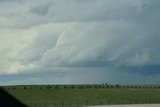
(87, 103)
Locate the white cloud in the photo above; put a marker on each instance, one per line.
(78, 34)
(24, 48)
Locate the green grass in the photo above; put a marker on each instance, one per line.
(49, 93)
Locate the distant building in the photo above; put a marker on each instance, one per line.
(7, 100)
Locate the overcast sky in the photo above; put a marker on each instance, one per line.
(79, 41)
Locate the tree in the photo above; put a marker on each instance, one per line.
(107, 86)
(127, 86)
(103, 83)
(95, 86)
(30, 87)
(56, 87)
(72, 87)
(87, 86)
(80, 87)
(90, 86)
(25, 87)
(106, 83)
(117, 86)
(99, 86)
(112, 86)
(48, 87)
(64, 87)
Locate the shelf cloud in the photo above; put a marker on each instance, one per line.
(120, 34)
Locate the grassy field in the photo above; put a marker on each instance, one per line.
(90, 94)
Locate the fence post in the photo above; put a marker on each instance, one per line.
(130, 101)
(108, 102)
(35, 105)
(45, 105)
(70, 103)
(62, 103)
(54, 104)
(86, 103)
(77, 104)
(100, 102)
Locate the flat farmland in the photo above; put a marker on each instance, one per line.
(84, 94)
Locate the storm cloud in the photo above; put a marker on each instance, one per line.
(119, 34)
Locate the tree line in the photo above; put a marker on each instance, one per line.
(85, 86)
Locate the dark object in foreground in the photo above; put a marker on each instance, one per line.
(7, 100)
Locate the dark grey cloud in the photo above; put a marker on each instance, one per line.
(33, 13)
(41, 9)
(79, 75)
(9, 0)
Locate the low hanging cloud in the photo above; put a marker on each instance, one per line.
(78, 33)
(95, 44)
